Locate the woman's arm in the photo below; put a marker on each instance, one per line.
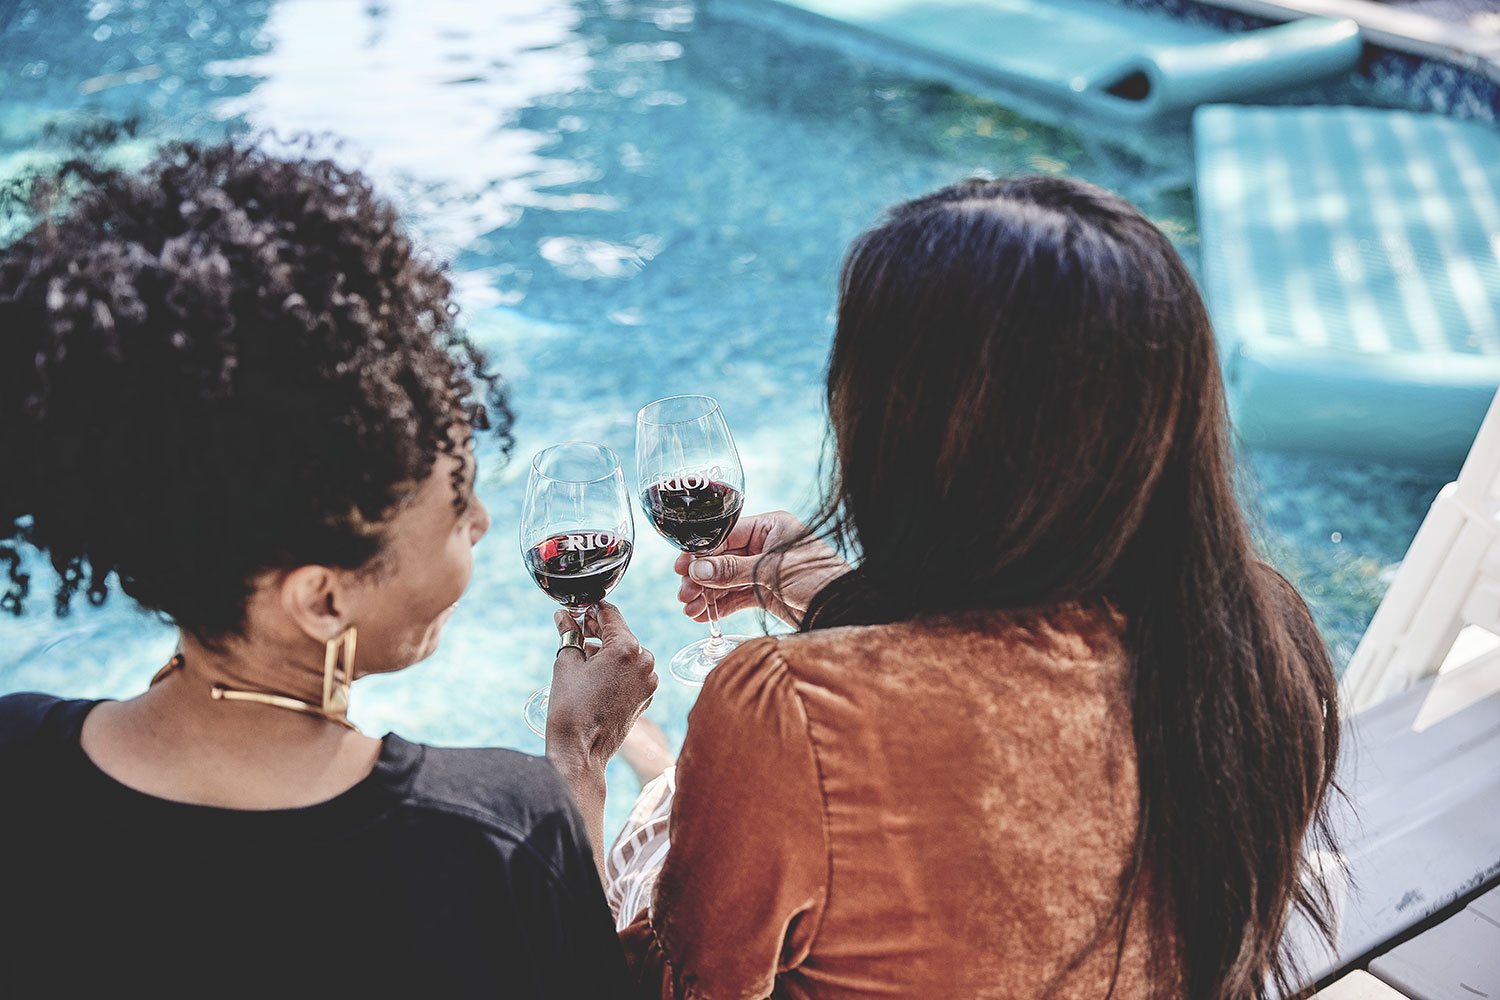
(597, 694)
(744, 885)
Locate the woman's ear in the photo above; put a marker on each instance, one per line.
(312, 597)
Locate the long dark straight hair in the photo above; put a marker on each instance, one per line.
(1028, 411)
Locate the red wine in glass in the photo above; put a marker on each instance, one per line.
(577, 568)
(697, 518)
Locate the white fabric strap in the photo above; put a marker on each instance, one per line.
(634, 860)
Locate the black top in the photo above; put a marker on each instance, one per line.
(444, 874)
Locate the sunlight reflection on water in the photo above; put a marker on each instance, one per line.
(639, 198)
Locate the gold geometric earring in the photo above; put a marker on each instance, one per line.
(338, 674)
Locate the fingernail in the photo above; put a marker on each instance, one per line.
(701, 569)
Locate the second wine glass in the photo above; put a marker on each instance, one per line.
(692, 488)
(577, 532)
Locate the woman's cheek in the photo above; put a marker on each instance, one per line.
(464, 566)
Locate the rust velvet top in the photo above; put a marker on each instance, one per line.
(918, 810)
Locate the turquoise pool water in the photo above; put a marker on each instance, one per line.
(639, 198)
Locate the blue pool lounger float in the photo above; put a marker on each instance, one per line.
(1351, 261)
(1117, 62)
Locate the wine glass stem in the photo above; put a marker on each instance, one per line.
(716, 644)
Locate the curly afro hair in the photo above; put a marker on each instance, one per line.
(227, 363)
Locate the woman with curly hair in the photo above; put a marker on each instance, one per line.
(229, 382)
(1057, 733)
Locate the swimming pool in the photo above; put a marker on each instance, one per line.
(639, 198)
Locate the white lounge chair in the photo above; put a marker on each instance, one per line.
(1420, 831)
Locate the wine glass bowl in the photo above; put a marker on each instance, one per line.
(692, 489)
(696, 513)
(577, 534)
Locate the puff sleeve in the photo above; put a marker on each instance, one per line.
(743, 888)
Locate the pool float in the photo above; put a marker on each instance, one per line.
(1351, 262)
(1118, 62)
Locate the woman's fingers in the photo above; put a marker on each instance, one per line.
(565, 624)
(747, 538)
(734, 574)
(593, 706)
(741, 534)
(723, 571)
(605, 622)
(727, 603)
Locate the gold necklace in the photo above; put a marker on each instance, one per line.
(338, 672)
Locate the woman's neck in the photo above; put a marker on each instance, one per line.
(176, 741)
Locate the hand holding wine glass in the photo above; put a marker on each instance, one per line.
(692, 487)
(597, 691)
(577, 532)
(597, 694)
(744, 576)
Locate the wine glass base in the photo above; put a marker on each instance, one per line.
(535, 712)
(692, 663)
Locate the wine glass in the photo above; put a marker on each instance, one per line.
(692, 488)
(577, 532)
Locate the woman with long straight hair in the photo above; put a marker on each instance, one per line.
(1057, 732)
